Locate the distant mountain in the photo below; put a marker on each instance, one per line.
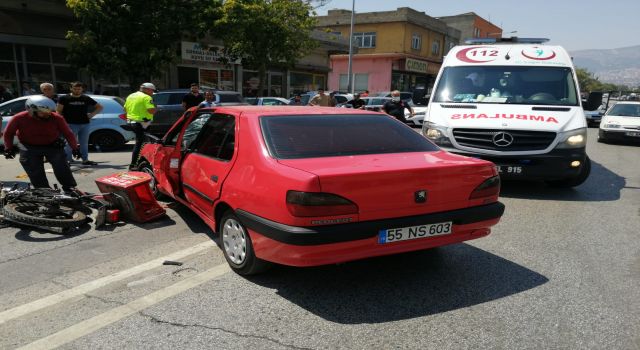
(617, 66)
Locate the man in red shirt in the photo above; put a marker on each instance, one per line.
(39, 129)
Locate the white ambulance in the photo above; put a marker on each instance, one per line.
(515, 102)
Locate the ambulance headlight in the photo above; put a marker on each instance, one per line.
(436, 133)
(573, 139)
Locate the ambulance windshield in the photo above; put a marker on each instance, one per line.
(508, 85)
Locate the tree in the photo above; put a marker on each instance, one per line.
(266, 33)
(136, 39)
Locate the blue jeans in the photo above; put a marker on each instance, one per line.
(82, 134)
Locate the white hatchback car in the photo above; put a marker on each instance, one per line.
(105, 132)
(621, 122)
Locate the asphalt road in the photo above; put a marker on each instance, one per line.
(561, 270)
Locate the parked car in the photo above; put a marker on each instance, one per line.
(419, 113)
(307, 186)
(105, 132)
(370, 103)
(404, 96)
(169, 107)
(266, 101)
(340, 97)
(621, 122)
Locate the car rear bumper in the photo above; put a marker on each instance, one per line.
(321, 245)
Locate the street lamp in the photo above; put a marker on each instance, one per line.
(349, 68)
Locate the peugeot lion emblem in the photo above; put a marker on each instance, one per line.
(502, 139)
(420, 196)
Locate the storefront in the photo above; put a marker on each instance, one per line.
(382, 73)
(206, 66)
(410, 74)
(25, 66)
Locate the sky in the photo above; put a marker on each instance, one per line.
(573, 24)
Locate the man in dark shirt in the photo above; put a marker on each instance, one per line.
(39, 129)
(396, 106)
(74, 107)
(357, 102)
(193, 98)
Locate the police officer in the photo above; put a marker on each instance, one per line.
(39, 129)
(139, 108)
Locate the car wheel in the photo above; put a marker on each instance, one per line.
(574, 181)
(145, 167)
(237, 247)
(106, 140)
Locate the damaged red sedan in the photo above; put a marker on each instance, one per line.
(307, 186)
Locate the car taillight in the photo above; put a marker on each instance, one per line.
(318, 204)
(489, 188)
(123, 116)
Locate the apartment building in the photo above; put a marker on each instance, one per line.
(399, 49)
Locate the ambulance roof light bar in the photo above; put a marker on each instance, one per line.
(513, 39)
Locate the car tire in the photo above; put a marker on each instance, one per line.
(107, 140)
(574, 181)
(146, 167)
(237, 247)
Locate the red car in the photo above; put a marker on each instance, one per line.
(307, 186)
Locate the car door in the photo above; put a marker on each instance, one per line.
(208, 162)
(167, 159)
(168, 111)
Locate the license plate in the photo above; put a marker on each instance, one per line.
(633, 133)
(508, 169)
(414, 232)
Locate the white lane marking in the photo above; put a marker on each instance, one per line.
(95, 284)
(93, 324)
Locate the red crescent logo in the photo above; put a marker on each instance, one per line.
(488, 54)
(553, 55)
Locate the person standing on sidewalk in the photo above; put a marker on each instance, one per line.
(39, 129)
(193, 98)
(320, 99)
(74, 107)
(208, 100)
(47, 90)
(396, 107)
(140, 109)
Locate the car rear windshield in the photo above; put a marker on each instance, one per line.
(312, 136)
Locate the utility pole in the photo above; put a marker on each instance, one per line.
(350, 87)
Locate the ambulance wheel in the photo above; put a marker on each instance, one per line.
(585, 170)
(145, 167)
(237, 247)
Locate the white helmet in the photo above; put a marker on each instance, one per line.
(40, 104)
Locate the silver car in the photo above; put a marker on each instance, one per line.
(105, 133)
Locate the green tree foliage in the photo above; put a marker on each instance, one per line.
(267, 33)
(588, 82)
(135, 39)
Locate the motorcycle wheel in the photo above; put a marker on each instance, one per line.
(35, 214)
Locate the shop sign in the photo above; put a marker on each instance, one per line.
(415, 65)
(197, 53)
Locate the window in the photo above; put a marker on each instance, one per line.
(13, 108)
(476, 32)
(193, 130)
(416, 42)
(365, 40)
(311, 136)
(360, 82)
(435, 47)
(217, 138)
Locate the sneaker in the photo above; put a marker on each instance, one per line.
(88, 162)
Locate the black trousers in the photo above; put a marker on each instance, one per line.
(32, 161)
(138, 129)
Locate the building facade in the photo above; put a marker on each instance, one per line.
(33, 50)
(400, 49)
(471, 25)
